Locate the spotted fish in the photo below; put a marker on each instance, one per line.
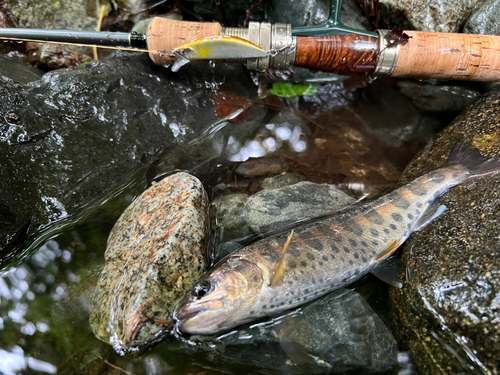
(289, 269)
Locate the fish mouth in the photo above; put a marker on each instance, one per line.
(185, 314)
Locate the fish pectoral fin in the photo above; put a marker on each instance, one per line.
(279, 269)
(392, 247)
(389, 271)
(432, 213)
(293, 349)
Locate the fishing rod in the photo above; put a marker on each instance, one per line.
(330, 47)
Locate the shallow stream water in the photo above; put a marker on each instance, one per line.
(360, 142)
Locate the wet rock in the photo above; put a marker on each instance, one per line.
(449, 305)
(438, 98)
(230, 220)
(228, 13)
(485, 19)
(447, 16)
(49, 14)
(281, 180)
(17, 70)
(336, 334)
(155, 253)
(260, 167)
(75, 137)
(276, 209)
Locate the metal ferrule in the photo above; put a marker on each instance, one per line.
(276, 39)
(387, 56)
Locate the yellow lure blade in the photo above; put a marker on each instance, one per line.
(219, 47)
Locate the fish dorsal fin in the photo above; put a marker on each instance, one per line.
(391, 247)
(279, 269)
(432, 213)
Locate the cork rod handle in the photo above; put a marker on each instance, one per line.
(164, 35)
(449, 56)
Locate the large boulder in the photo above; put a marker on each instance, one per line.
(450, 305)
(71, 139)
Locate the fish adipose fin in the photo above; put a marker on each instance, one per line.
(392, 247)
(470, 157)
(432, 213)
(279, 269)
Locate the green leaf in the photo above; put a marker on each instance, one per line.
(287, 90)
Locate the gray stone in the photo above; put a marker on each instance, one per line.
(18, 71)
(485, 19)
(438, 98)
(50, 14)
(338, 333)
(230, 221)
(75, 137)
(449, 305)
(281, 180)
(448, 16)
(260, 167)
(276, 209)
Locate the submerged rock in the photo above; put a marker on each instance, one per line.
(448, 16)
(73, 138)
(155, 253)
(450, 301)
(336, 334)
(275, 209)
(230, 221)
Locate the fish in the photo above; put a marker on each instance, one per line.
(216, 47)
(321, 256)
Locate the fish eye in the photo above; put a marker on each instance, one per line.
(202, 289)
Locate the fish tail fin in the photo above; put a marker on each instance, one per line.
(470, 157)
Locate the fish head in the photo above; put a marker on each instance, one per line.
(221, 299)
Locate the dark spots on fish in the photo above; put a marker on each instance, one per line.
(347, 250)
(313, 281)
(352, 242)
(290, 282)
(419, 190)
(398, 201)
(420, 205)
(356, 255)
(290, 302)
(303, 264)
(282, 303)
(386, 231)
(436, 177)
(271, 306)
(252, 312)
(310, 256)
(409, 216)
(351, 262)
(306, 291)
(338, 239)
(315, 244)
(335, 249)
(364, 244)
(296, 278)
(364, 259)
(363, 251)
(393, 227)
(292, 264)
(373, 252)
(397, 217)
(353, 227)
(374, 243)
(374, 217)
(325, 258)
(356, 272)
(264, 306)
(374, 232)
(332, 256)
(313, 267)
(320, 263)
(301, 272)
(408, 226)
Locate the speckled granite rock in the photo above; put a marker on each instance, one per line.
(450, 301)
(485, 19)
(447, 16)
(155, 252)
(276, 209)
